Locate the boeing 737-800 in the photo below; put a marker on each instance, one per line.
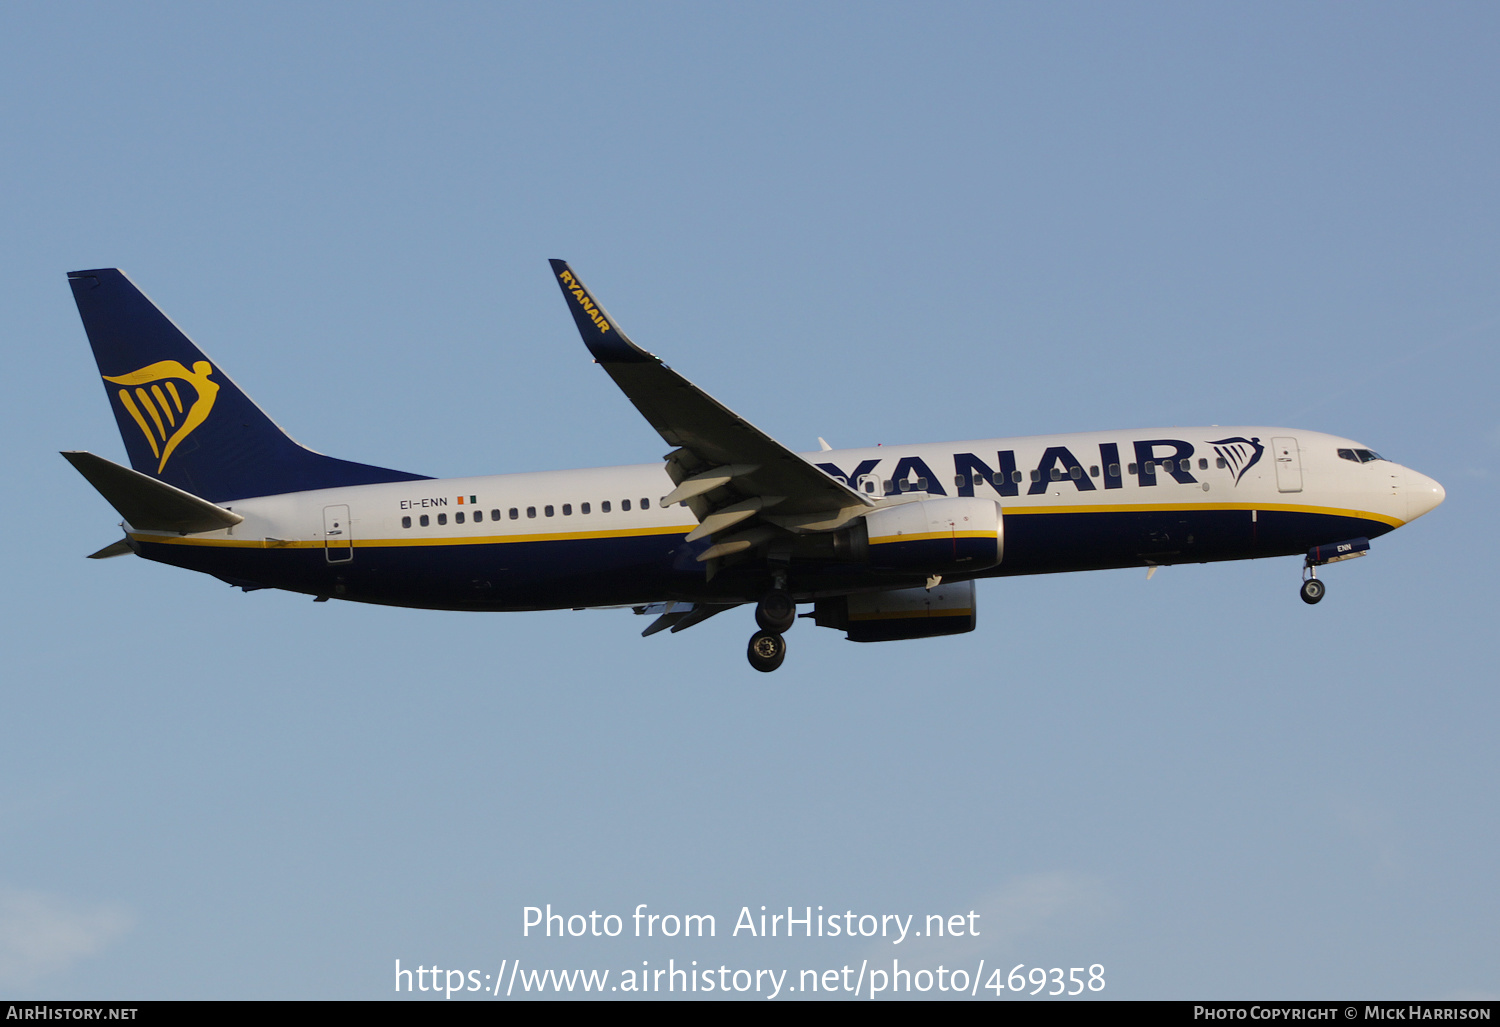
(883, 543)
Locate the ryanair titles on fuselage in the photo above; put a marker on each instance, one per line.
(574, 286)
(1058, 464)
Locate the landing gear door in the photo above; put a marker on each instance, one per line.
(1288, 465)
(338, 541)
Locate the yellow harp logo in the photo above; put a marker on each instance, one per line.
(163, 402)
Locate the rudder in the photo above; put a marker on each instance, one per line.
(183, 420)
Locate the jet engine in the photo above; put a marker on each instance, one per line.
(946, 609)
(936, 536)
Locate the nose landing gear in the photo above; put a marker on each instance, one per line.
(775, 613)
(1313, 590)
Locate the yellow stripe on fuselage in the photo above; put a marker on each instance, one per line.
(1332, 511)
(682, 529)
(391, 543)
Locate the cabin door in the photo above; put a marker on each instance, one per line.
(1288, 465)
(338, 542)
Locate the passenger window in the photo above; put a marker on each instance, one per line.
(960, 480)
(547, 510)
(478, 516)
(424, 521)
(1094, 471)
(406, 522)
(625, 504)
(1202, 464)
(904, 485)
(604, 507)
(1056, 474)
(1015, 476)
(567, 509)
(442, 518)
(645, 504)
(889, 487)
(922, 484)
(494, 515)
(1114, 470)
(1075, 473)
(870, 485)
(531, 511)
(1221, 463)
(1036, 475)
(458, 518)
(1185, 464)
(1131, 468)
(997, 479)
(583, 508)
(514, 513)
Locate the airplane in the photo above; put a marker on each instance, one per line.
(883, 543)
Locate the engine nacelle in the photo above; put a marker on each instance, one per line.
(946, 609)
(937, 536)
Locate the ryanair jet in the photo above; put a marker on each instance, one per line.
(882, 543)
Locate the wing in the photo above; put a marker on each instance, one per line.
(727, 471)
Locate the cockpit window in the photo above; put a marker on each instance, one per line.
(1359, 456)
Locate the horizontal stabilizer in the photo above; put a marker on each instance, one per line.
(120, 548)
(149, 504)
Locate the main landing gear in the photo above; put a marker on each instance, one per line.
(767, 650)
(775, 613)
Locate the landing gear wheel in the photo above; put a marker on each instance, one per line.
(767, 650)
(776, 612)
(1313, 591)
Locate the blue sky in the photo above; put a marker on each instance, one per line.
(873, 223)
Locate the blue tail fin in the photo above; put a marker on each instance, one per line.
(183, 421)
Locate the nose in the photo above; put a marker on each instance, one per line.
(1422, 494)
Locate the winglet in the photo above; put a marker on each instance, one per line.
(600, 333)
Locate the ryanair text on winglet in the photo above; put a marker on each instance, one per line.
(576, 288)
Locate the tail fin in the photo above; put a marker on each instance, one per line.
(183, 421)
